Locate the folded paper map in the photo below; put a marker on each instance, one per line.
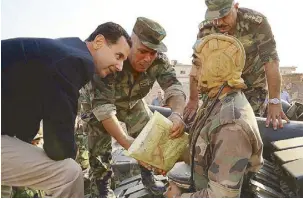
(153, 145)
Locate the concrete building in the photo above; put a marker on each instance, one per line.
(291, 81)
(293, 84)
(182, 73)
(287, 70)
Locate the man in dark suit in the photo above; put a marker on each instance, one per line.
(41, 79)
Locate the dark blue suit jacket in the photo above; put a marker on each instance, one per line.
(40, 80)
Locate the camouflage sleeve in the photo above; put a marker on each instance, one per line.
(204, 29)
(103, 97)
(266, 43)
(228, 164)
(167, 79)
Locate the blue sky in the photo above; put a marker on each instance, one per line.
(78, 18)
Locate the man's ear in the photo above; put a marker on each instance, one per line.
(99, 42)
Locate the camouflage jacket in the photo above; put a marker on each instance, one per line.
(254, 31)
(228, 146)
(103, 97)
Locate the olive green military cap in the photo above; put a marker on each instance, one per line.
(217, 8)
(150, 34)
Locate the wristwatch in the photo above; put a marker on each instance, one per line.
(274, 101)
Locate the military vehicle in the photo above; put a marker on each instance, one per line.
(281, 175)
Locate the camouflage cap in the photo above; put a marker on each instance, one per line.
(150, 34)
(217, 8)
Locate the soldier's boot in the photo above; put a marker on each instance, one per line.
(105, 190)
(101, 188)
(155, 187)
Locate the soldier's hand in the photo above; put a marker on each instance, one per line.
(151, 168)
(190, 109)
(147, 166)
(130, 139)
(275, 115)
(173, 191)
(159, 171)
(178, 125)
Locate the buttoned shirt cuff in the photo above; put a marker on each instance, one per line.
(186, 195)
(104, 111)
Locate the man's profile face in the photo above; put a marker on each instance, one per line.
(108, 58)
(141, 57)
(197, 62)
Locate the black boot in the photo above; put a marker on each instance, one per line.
(101, 188)
(149, 181)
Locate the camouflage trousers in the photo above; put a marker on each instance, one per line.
(20, 192)
(24, 192)
(99, 145)
(257, 97)
(81, 139)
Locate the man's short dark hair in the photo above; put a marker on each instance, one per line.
(111, 32)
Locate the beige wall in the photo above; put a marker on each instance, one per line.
(287, 70)
(293, 84)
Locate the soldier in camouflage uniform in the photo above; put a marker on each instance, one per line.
(225, 142)
(81, 141)
(120, 98)
(262, 61)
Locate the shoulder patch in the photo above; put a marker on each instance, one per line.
(253, 17)
(204, 24)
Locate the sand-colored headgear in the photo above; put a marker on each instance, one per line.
(222, 59)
